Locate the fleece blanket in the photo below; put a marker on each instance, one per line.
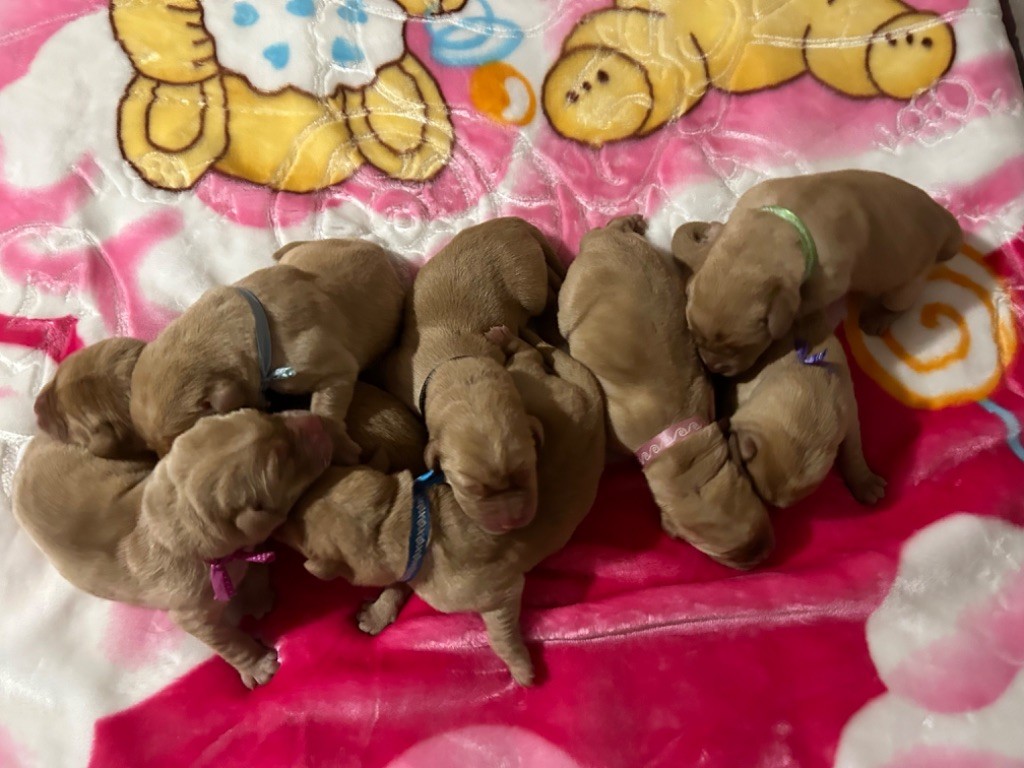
(150, 149)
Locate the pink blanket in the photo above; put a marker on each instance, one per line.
(891, 636)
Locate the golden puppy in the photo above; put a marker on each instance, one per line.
(355, 522)
(622, 311)
(794, 246)
(796, 412)
(126, 531)
(86, 401)
(501, 272)
(331, 307)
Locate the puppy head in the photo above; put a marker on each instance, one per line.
(596, 94)
(710, 504)
(738, 302)
(86, 402)
(169, 393)
(783, 467)
(228, 482)
(486, 444)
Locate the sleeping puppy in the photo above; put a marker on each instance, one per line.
(390, 436)
(796, 412)
(355, 522)
(873, 235)
(501, 272)
(332, 306)
(86, 401)
(622, 311)
(145, 535)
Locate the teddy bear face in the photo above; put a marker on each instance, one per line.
(596, 95)
(312, 45)
(909, 54)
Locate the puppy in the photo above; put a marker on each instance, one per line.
(355, 522)
(332, 307)
(390, 436)
(796, 412)
(86, 401)
(501, 272)
(622, 311)
(872, 234)
(145, 535)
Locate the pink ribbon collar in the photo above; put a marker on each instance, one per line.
(223, 587)
(675, 433)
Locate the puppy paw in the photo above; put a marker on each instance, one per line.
(522, 672)
(377, 616)
(867, 488)
(500, 336)
(634, 223)
(261, 670)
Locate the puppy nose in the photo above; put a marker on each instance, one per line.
(753, 552)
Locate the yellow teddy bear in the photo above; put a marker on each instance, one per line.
(628, 70)
(290, 94)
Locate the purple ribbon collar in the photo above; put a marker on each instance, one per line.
(223, 587)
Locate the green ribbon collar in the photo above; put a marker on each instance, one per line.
(806, 241)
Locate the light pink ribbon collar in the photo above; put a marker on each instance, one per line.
(223, 586)
(675, 433)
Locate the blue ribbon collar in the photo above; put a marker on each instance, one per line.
(268, 375)
(419, 532)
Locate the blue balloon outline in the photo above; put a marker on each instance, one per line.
(475, 33)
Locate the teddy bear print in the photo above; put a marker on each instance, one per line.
(292, 94)
(628, 70)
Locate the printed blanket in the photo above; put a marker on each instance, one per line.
(150, 149)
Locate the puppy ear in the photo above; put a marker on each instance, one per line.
(432, 455)
(782, 312)
(537, 429)
(324, 569)
(692, 242)
(103, 441)
(226, 396)
(743, 446)
(258, 524)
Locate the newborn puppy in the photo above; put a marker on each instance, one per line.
(622, 311)
(501, 272)
(794, 246)
(390, 436)
(355, 522)
(86, 401)
(796, 412)
(126, 531)
(332, 306)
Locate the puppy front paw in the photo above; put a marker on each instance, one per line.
(633, 223)
(500, 336)
(377, 616)
(259, 671)
(522, 672)
(867, 487)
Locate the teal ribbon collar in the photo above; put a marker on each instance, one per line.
(807, 245)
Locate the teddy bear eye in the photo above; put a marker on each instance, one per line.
(602, 76)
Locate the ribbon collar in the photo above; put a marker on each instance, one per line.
(268, 374)
(422, 400)
(675, 433)
(419, 531)
(223, 586)
(810, 250)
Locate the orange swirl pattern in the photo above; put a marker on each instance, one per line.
(949, 350)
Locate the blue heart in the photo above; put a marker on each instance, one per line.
(278, 55)
(245, 15)
(344, 52)
(300, 8)
(353, 12)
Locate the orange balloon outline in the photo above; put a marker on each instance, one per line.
(493, 102)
